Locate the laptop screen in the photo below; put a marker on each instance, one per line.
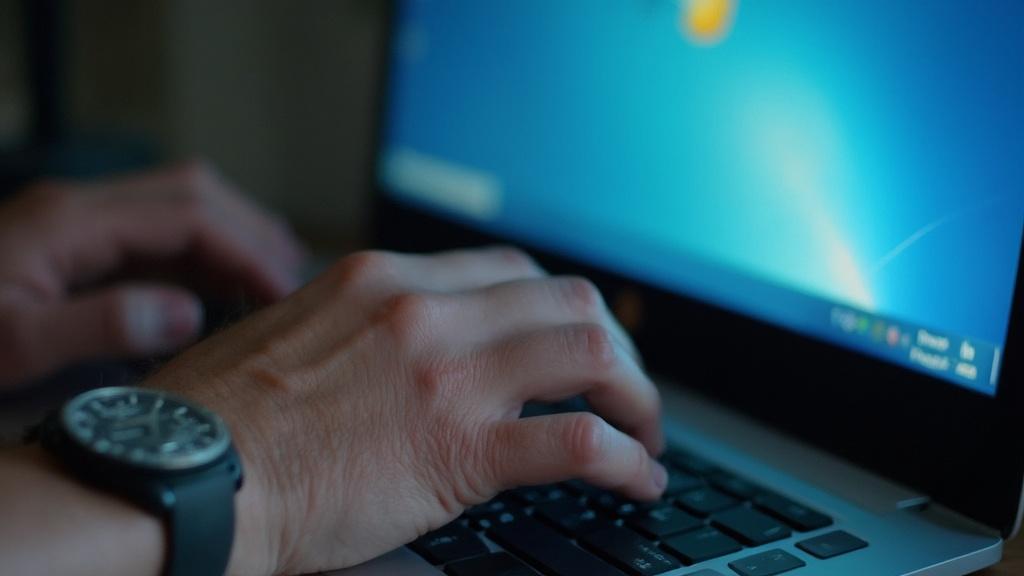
(851, 170)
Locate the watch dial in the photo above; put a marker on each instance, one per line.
(145, 428)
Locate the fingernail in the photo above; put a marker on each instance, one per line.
(659, 476)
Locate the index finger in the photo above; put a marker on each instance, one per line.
(556, 363)
(546, 449)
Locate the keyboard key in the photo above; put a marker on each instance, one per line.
(488, 521)
(796, 515)
(453, 542)
(679, 481)
(832, 544)
(705, 573)
(570, 517)
(660, 523)
(605, 500)
(701, 545)
(734, 486)
(705, 501)
(767, 563)
(500, 564)
(750, 526)
(617, 506)
(630, 552)
(487, 509)
(691, 463)
(547, 550)
(531, 495)
(582, 489)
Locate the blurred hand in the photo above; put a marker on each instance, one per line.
(59, 240)
(379, 401)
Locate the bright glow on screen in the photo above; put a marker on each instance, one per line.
(851, 170)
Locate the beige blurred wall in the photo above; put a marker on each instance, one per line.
(279, 95)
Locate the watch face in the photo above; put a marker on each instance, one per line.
(145, 428)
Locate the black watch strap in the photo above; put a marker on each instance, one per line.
(201, 526)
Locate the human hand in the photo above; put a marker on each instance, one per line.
(59, 239)
(382, 399)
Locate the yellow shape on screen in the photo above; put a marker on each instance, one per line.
(707, 21)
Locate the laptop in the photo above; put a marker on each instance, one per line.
(809, 214)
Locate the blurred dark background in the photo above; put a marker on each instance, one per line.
(278, 95)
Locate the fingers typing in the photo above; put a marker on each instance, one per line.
(581, 445)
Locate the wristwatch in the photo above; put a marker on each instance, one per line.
(163, 453)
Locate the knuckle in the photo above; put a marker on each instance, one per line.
(363, 267)
(408, 317)
(517, 258)
(585, 441)
(582, 296)
(431, 379)
(591, 345)
(440, 380)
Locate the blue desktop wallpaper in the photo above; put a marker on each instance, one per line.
(864, 153)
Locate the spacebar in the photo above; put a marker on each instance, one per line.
(547, 550)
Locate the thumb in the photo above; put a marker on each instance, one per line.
(123, 321)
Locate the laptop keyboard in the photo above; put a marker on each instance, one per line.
(575, 529)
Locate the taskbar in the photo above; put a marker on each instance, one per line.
(967, 361)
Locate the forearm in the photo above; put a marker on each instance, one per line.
(52, 524)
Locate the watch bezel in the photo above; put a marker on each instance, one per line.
(196, 459)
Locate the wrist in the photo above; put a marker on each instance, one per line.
(82, 530)
(257, 540)
(259, 510)
(265, 530)
(165, 454)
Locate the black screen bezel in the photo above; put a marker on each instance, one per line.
(958, 446)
